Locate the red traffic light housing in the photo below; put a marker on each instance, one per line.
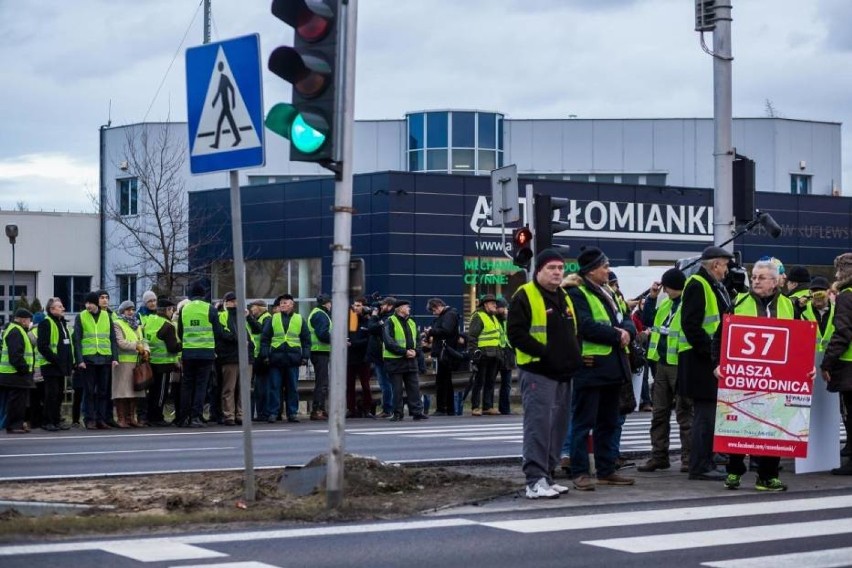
(309, 121)
(522, 253)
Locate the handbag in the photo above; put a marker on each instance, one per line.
(142, 375)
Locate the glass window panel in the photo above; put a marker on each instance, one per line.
(436, 160)
(463, 160)
(487, 160)
(436, 130)
(630, 178)
(62, 290)
(415, 161)
(605, 178)
(82, 284)
(487, 131)
(499, 132)
(2, 290)
(579, 177)
(499, 159)
(655, 179)
(463, 129)
(416, 134)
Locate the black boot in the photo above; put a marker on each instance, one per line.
(845, 469)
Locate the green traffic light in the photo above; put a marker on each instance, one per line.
(284, 120)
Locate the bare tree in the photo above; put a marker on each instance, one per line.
(155, 237)
(770, 111)
(22, 206)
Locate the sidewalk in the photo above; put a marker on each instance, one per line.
(669, 485)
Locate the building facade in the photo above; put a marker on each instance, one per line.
(792, 157)
(56, 254)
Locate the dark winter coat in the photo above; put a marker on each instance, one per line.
(445, 327)
(402, 364)
(376, 329)
(600, 370)
(560, 358)
(23, 379)
(840, 371)
(58, 364)
(695, 366)
(226, 344)
(285, 356)
(78, 345)
(359, 340)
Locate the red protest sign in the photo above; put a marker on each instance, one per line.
(764, 401)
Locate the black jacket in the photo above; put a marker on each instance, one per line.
(23, 379)
(445, 327)
(840, 371)
(58, 364)
(560, 358)
(168, 335)
(359, 340)
(695, 366)
(226, 344)
(376, 328)
(600, 370)
(403, 364)
(284, 356)
(78, 345)
(202, 354)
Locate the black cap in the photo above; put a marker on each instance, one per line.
(819, 283)
(399, 303)
(91, 298)
(611, 277)
(590, 258)
(229, 297)
(674, 279)
(103, 293)
(259, 302)
(282, 297)
(799, 274)
(547, 255)
(487, 298)
(165, 302)
(23, 313)
(501, 303)
(712, 252)
(323, 299)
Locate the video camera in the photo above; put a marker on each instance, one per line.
(735, 282)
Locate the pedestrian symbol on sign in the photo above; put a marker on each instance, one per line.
(224, 114)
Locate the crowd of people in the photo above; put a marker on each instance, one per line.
(575, 341)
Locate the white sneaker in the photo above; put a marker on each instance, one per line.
(561, 489)
(541, 490)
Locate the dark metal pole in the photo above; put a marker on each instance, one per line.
(13, 294)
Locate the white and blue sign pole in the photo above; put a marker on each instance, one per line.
(224, 93)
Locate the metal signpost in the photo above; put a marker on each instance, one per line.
(224, 94)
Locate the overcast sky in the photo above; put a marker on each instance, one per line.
(68, 67)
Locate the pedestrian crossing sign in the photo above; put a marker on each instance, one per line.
(224, 99)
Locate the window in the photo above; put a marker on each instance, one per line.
(463, 129)
(655, 179)
(415, 161)
(128, 196)
(487, 129)
(126, 287)
(72, 290)
(463, 160)
(800, 184)
(416, 134)
(436, 130)
(487, 161)
(436, 160)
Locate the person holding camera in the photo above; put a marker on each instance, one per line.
(444, 333)
(380, 312)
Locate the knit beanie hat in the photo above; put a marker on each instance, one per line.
(148, 296)
(125, 305)
(589, 259)
(799, 274)
(91, 298)
(843, 264)
(674, 279)
(545, 256)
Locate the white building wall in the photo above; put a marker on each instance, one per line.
(48, 245)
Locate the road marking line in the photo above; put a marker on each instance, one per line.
(831, 558)
(52, 548)
(163, 552)
(93, 453)
(721, 537)
(682, 514)
(145, 435)
(249, 564)
(487, 438)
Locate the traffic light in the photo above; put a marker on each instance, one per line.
(743, 188)
(311, 65)
(545, 226)
(522, 252)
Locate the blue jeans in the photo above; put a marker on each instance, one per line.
(387, 387)
(96, 383)
(569, 432)
(503, 402)
(2, 408)
(596, 409)
(288, 377)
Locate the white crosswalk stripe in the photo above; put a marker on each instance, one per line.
(635, 434)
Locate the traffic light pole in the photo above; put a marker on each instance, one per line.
(723, 200)
(341, 249)
(529, 213)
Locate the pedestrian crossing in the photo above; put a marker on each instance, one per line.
(635, 434)
(748, 531)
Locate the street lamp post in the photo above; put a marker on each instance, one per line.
(12, 233)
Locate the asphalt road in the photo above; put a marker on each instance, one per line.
(806, 529)
(43, 455)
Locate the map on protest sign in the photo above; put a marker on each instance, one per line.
(764, 400)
